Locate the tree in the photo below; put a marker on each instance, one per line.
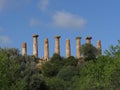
(19, 73)
(67, 72)
(97, 75)
(9, 67)
(56, 84)
(36, 82)
(52, 67)
(115, 78)
(113, 51)
(71, 61)
(89, 52)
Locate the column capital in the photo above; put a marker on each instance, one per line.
(35, 35)
(88, 38)
(78, 37)
(57, 37)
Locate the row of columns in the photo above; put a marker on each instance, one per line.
(57, 47)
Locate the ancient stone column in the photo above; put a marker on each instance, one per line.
(99, 48)
(57, 44)
(88, 40)
(24, 49)
(46, 49)
(68, 51)
(35, 45)
(78, 45)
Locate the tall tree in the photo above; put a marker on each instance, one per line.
(89, 52)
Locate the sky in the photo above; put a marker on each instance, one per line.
(20, 19)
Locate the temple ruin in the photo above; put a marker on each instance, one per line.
(57, 47)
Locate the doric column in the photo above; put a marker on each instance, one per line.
(78, 45)
(99, 48)
(24, 49)
(57, 44)
(88, 40)
(68, 51)
(46, 49)
(35, 45)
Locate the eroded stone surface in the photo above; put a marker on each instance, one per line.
(35, 45)
(24, 48)
(78, 45)
(46, 49)
(99, 48)
(57, 45)
(68, 50)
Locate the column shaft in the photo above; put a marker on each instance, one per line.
(35, 46)
(99, 48)
(24, 49)
(78, 45)
(57, 45)
(46, 49)
(68, 51)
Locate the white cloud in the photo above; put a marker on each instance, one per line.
(68, 20)
(34, 22)
(5, 40)
(2, 4)
(43, 4)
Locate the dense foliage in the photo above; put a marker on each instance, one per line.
(88, 51)
(96, 73)
(19, 73)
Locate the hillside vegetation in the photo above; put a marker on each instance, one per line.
(59, 73)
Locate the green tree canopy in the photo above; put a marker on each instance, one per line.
(89, 52)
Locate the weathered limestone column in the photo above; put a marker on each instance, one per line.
(46, 49)
(35, 45)
(68, 51)
(57, 44)
(24, 49)
(99, 48)
(88, 40)
(78, 45)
